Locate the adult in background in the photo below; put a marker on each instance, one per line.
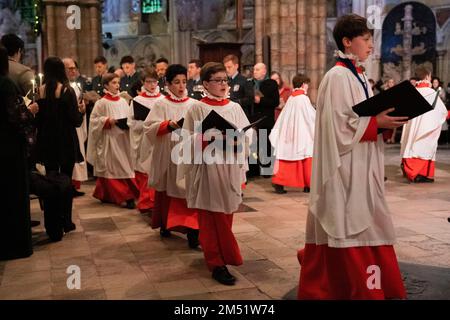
(284, 91)
(15, 228)
(241, 90)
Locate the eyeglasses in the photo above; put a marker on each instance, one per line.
(219, 81)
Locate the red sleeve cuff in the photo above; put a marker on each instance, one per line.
(164, 128)
(371, 131)
(107, 124)
(448, 115)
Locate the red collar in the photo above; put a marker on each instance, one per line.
(298, 92)
(358, 69)
(145, 95)
(168, 97)
(423, 85)
(213, 102)
(110, 97)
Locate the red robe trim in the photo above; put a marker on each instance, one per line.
(163, 128)
(116, 190)
(146, 200)
(358, 69)
(111, 98)
(298, 92)
(371, 132)
(76, 184)
(216, 237)
(348, 273)
(415, 166)
(168, 97)
(173, 214)
(213, 102)
(296, 174)
(107, 125)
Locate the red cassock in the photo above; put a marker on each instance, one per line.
(146, 199)
(413, 167)
(216, 237)
(296, 174)
(116, 190)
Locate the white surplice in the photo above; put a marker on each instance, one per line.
(420, 135)
(216, 186)
(140, 148)
(347, 204)
(293, 134)
(109, 150)
(80, 169)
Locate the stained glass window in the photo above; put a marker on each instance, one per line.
(151, 6)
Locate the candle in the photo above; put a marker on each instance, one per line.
(33, 82)
(40, 79)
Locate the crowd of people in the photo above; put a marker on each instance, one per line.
(159, 139)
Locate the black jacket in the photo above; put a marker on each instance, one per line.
(131, 84)
(242, 92)
(57, 140)
(195, 89)
(268, 103)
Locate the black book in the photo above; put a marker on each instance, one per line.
(140, 111)
(404, 97)
(180, 124)
(122, 123)
(215, 120)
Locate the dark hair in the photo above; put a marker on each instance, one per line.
(162, 60)
(4, 63)
(372, 82)
(108, 77)
(12, 43)
(436, 78)
(149, 72)
(279, 76)
(211, 68)
(413, 78)
(299, 80)
(422, 72)
(197, 62)
(126, 59)
(173, 70)
(100, 59)
(231, 57)
(350, 26)
(54, 72)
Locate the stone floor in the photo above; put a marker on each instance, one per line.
(120, 257)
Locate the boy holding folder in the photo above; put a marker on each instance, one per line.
(349, 250)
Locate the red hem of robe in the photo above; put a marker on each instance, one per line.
(296, 174)
(146, 199)
(116, 190)
(76, 184)
(173, 214)
(344, 273)
(371, 132)
(416, 166)
(216, 237)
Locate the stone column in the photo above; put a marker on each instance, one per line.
(441, 72)
(275, 34)
(259, 29)
(95, 21)
(125, 9)
(301, 36)
(50, 30)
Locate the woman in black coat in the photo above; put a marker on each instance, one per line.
(15, 119)
(59, 114)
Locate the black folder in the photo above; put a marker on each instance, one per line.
(140, 111)
(122, 123)
(404, 97)
(215, 120)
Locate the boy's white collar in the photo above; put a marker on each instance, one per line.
(350, 56)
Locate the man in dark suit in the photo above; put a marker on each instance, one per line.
(266, 100)
(241, 88)
(131, 82)
(161, 66)
(101, 68)
(194, 85)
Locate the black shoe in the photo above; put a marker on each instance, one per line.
(165, 233)
(70, 227)
(422, 179)
(385, 179)
(130, 204)
(279, 189)
(77, 193)
(35, 223)
(306, 190)
(192, 237)
(223, 276)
